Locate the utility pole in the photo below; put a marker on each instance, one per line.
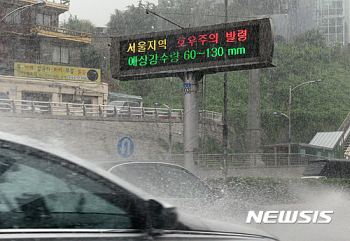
(191, 119)
(253, 118)
(170, 111)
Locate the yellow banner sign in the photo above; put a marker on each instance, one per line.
(57, 72)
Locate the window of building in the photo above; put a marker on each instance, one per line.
(36, 96)
(60, 54)
(43, 19)
(47, 20)
(2, 48)
(13, 18)
(17, 50)
(67, 98)
(40, 19)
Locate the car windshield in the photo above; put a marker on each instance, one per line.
(314, 168)
(116, 103)
(36, 193)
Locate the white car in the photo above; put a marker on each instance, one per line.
(124, 108)
(46, 194)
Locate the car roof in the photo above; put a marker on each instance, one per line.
(186, 219)
(114, 101)
(151, 163)
(63, 154)
(148, 163)
(158, 164)
(330, 160)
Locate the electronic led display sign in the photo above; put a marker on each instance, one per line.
(209, 49)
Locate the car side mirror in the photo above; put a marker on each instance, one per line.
(161, 217)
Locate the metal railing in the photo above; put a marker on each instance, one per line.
(61, 2)
(104, 111)
(61, 33)
(64, 3)
(235, 160)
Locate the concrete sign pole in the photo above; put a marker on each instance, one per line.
(191, 119)
(254, 119)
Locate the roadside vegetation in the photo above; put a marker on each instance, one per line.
(317, 107)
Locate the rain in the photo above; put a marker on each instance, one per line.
(244, 128)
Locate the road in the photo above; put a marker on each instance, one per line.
(320, 198)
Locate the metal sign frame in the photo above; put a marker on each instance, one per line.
(261, 59)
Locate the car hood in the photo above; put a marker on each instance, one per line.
(195, 223)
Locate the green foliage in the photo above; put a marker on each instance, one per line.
(315, 108)
(185, 13)
(134, 20)
(82, 25)
(177, 148)
(312, 37)
(91, 58)
(211, 145)
(163, 144)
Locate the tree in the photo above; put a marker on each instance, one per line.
(320, 107)
(312, 37)
(134, 20)
(91, 58)
(316, 107)
(82, 25)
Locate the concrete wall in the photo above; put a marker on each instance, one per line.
(96, 139)
(93, 139)
(15, 85)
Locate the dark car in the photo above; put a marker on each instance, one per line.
(327, 168)
(124, 108)
(47, 194)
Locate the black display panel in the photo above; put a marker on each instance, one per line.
(208, 49)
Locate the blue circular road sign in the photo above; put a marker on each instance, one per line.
(125, 147)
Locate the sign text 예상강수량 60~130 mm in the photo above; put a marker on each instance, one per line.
(208, 49)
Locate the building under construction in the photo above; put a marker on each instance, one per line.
(30, 34)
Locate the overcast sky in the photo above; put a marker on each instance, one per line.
(98, 11)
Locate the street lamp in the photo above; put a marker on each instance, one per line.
(289, 114)
(280, 113)
(149, 11)
(169, 115)
(39, 3)
(289, 132)
(159, 104)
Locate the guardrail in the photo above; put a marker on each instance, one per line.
(104, 111)
(61, 33)
(57, 3)
(235, 160)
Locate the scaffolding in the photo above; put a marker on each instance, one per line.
(332, 20)
(63, 4)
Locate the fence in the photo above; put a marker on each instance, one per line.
(61, 32)
(236, 160)
(75, 109)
